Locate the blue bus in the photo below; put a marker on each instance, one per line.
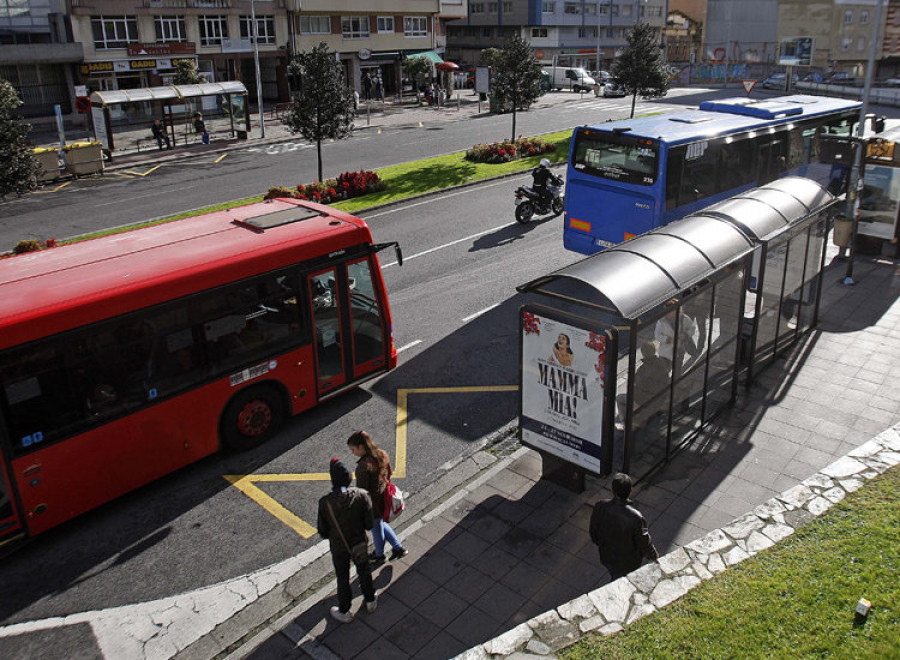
(627, 177)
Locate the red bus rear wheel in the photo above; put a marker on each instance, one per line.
(251, 418)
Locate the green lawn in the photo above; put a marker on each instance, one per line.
(794, 600)
(403, 181)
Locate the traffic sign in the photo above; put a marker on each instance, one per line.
(748, 85)
(83, 104)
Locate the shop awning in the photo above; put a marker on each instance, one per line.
(428, 54)
(169, 92)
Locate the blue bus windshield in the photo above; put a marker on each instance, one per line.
(616, 156)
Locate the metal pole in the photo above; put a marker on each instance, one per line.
(259, 97)
(856, 181)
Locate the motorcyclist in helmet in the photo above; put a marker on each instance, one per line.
(542, 176)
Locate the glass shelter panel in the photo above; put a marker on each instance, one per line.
(727, 313)
(652, 392)
(818, 233)
(768, 307)
(692, 352)
(793, 289)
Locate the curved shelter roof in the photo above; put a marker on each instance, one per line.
(168, 92)
(636, 276)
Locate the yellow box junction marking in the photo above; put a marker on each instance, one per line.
(246, 483)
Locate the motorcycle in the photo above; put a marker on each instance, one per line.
(529, 202)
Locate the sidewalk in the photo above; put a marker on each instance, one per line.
(135, 146)
(507, 548)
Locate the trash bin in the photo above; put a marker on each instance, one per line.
(241, 135)
(84, 158)
(843, 230)
(48, 157)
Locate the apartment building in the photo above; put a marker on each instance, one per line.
(38, 54)
(567, 32)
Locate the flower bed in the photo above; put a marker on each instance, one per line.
(503, 152)
(345, 186)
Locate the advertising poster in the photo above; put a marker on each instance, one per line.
(879, 201)
(561, 391)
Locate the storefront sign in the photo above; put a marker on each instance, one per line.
(562, 389)
(364, 53)
(89, 68)
(179, 48)
(124, 66)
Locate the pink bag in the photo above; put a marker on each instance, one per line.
(393, 502)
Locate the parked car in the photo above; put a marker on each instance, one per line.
(608, 84)
(891, 82)
(576, 78)
(811, 78)
(775, 81)
(840, 78)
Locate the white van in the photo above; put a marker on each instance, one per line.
(569, 77)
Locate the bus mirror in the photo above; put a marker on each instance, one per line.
(378, 247)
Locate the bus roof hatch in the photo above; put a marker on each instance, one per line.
(260, 223)
(759, 109)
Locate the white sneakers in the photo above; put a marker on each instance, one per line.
(347, 617)
(343, 617)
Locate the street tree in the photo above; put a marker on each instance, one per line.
(641, 67)
(488, 56)
(18, 166)
(515, 77)
(187, 73)
(324, 107)
(416, 68)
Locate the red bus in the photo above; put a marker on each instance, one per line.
(126, 357)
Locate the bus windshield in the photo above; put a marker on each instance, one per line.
(615, 156)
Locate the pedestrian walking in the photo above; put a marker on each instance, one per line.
(200, 127)
(367, 85)
(344, 516)
(620, 532)
(373, 471)
(379, 88)
(159, 132)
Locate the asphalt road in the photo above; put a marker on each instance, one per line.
(113, 200)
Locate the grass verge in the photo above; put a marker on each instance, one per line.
(794, 600)
(403, 182)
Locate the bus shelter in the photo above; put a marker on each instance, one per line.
(108, 108)
(626, 355)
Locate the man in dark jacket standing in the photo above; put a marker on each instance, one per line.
(344, 516)
(620, 531)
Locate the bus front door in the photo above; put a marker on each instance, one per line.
(325, 295)
(10, 521)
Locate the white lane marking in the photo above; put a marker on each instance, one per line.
(477, 314)
(409, 345)
(450, 244)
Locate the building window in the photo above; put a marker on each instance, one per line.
(507, 7)
(653, 11)
(845, 44)
(355, 27)
(492, 7)
(548, 7)
(169, 28)
(863, 17)
(212, 30)
(476, 8)
(590, 10)
(385, 23)
(265, 29)
(604, 9)
(848, 16)
(114, 31)
(572, 8)
(415, 26)
(315, 24)
(487, 32)
(538, 33)
(860, 44)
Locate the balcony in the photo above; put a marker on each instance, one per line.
(186, 4)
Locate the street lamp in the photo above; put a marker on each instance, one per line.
(259, 99)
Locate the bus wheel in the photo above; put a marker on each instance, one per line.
(251, 418)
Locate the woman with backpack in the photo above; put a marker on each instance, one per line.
(373, 471)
